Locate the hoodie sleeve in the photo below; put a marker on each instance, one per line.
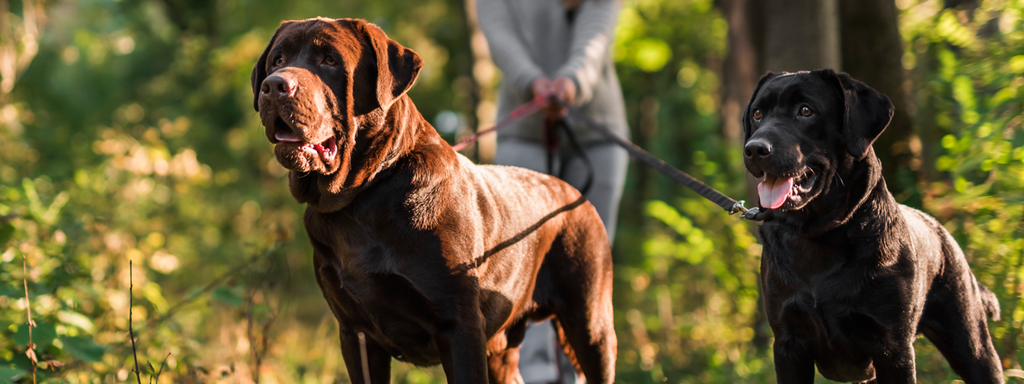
(507, 48)
(593, 34)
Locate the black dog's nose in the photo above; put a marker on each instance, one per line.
(757, 148)
(277, 85)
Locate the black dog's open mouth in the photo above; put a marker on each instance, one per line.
(327, 149)
(774, 191)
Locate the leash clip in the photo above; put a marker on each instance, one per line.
(738, 207)
(754, 214)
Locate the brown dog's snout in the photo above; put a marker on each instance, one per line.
(277, 86)
(757, 149)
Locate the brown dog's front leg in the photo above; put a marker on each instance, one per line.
(378, 360)
(463, 350)
(503, 367)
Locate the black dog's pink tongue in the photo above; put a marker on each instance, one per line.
(774, 191)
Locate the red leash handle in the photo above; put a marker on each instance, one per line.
(529, 108)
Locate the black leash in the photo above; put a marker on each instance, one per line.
(551, 144)
(727, 203)
(730, 205)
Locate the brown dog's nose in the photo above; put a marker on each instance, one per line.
(276, 85)
(757, 148)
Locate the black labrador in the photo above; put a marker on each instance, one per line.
(849, 276)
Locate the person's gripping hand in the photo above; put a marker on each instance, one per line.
(562, 88)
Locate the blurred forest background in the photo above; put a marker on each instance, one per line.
(127, 137)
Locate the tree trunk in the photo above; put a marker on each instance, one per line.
(801, 35)
(773, 35)
(743, 66)
(739, 72)
(484, 75)
(872, 51)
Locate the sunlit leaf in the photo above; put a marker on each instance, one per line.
(651, 54)
(76, 319)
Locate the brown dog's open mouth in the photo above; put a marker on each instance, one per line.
(327, 149)
(775, 190)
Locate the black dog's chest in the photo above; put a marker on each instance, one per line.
(814, 294)
(836, 330)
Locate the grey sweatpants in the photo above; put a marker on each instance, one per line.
(540, 358)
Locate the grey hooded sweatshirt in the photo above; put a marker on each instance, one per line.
(530, 39)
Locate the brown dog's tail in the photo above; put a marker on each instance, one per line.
(989, 300)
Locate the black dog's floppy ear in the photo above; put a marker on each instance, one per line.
(259, 72)
(747, 129)
(868, 113)
(397, 66)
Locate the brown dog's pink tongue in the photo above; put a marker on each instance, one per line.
(773, 191)
(287, 137)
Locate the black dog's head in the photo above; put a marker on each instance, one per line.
(806, 131)
(313, 81)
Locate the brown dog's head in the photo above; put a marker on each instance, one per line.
(315, 80)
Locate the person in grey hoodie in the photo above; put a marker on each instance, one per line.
(559, 47)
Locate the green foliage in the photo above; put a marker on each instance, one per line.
(967, 67)
(131, 137)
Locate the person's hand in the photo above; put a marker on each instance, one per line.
(542, 87)
(565, 89)
(562, 88)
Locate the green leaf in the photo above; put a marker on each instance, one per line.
(226, 296)
(6, 231)
(83, 348)
(43, 334)
(10, 290)
(8, 374)
(21, 362)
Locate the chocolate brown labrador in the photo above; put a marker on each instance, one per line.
(849, 276)
(435, 260)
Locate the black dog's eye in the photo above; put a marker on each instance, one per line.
(805, 111)
(279, 61)
(757, 114)
(329, 60)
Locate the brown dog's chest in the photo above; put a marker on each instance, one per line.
(385, 306)
(396, 286)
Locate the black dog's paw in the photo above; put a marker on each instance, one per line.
(758, 214)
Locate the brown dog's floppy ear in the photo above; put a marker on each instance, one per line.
(868, 113)
(259, 72)
(397, 66)
(747, 129)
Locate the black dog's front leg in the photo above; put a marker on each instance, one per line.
(379, 361)
(895, 366)
(794, 364)
(463, 350)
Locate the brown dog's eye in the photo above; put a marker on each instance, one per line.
(805, 111)
(279, 61)
(757, 114)
(329, 60)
